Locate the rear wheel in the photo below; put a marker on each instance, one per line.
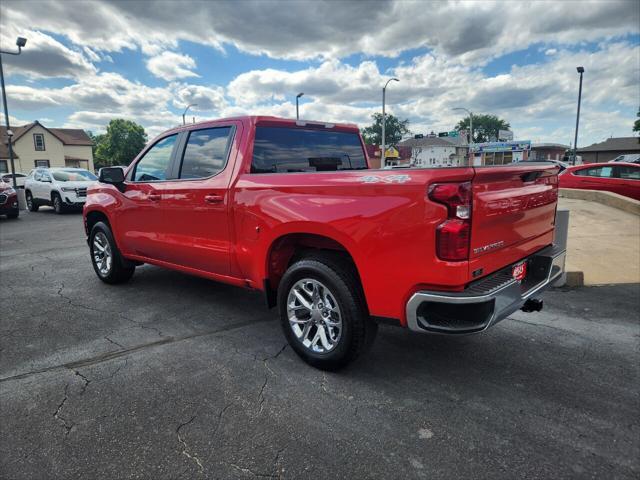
(323, 313)
(57, 203)
(107, 261)
(31, 203)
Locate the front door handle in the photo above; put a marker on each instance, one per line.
(154, 197)
(213, 198)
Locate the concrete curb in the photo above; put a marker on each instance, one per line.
(575, 279)
(610, 199)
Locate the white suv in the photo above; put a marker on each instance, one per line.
(61, 188)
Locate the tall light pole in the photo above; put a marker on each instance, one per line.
(20, 42)
(185, 111)
(470, 130)
(575, 139)
(383, 161)
(297, 107)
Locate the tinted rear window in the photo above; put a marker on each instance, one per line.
(279, 149)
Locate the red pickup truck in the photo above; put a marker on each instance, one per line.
(291, 208)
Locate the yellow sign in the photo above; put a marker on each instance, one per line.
(392, 153)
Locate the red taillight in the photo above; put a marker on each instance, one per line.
(454, 235)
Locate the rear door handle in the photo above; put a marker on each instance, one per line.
(213, 198)
(154, 197)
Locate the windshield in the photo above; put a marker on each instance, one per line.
(73, 176)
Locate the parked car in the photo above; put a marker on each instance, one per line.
(8, 200)
(628, 158)
(20, 179)
(621, 178)
(62, 188)
(290, 208)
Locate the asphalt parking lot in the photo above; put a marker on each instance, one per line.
(171, 376)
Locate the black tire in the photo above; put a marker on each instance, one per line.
(339, 276)
(13, 216)
(56, 201)
(120, 269)
(32, 205)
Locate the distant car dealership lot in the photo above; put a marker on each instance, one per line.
(172, 376)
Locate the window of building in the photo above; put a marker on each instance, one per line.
(206, 153)
(4, 168)
(38, 142)
(155, 163)
(42, 163)
(279, 149)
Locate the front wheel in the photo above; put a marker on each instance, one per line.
(107, 261)
(323, 313)
(57, 204)
(31, 203)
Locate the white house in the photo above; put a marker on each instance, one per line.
(35, 145)
(429, 152)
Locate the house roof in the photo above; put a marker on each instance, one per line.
(425, 142)
(68, 136)
(614, 145)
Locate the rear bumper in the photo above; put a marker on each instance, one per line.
(487, 301)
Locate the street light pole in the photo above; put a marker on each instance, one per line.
(20, 42)
(297, 108)
(383, 160)
(575, 139)
(470, 130)
(185, 112)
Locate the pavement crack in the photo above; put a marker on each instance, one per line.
(57, 415)
(86, 381)
(248, 471)
(106, 337)
(185, 447)
(261, 394)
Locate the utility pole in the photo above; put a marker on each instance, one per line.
(297, 107)
(575, 139)
(383, 161)
(185, 112)
(470, 131)
(20, 42)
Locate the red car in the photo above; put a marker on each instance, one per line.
(621, 178)
(290, 208)
(8, 200)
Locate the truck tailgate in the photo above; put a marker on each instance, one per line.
(513, 214)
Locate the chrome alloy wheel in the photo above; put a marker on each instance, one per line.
(314, 315)
(102, 255)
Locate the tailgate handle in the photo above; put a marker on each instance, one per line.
(530, 176)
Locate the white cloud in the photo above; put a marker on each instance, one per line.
(208, 99)
(44, 57)
(473, 31)
(172, 66)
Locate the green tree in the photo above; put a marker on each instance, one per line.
(636, 125)
(484, 126)
(395, 129)
(120, 145)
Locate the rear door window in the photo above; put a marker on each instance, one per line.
(280, 149)
(206, 152)
(627, 173)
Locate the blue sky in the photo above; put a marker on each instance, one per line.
(88, 62)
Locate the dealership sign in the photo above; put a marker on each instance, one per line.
(503, 146)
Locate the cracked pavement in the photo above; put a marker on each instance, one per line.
(175, 377)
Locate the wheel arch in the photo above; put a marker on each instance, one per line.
(289, 247)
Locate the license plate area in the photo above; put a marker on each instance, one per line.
(519, 271)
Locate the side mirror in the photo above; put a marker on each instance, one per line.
(113, 176)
